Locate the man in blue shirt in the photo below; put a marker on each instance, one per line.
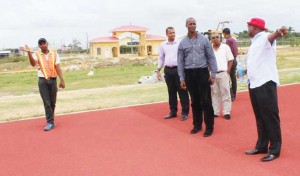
(195, 58)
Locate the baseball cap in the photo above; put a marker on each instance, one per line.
(42, 40)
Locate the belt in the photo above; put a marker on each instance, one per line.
(52, 78)
(196, 69)
(220, 71)
(171, 67)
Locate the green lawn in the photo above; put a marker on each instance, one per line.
(107, 77)
(283, 63)
(26, 82)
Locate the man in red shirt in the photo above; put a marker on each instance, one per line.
(231, 42)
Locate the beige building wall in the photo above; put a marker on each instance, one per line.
(112, 49)
(124, 41)
(117, 34)
(105, 49)
(142, 44)
(155, 44)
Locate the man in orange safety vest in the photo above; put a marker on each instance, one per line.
(48, 63)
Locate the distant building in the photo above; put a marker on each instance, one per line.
(110, 46)
(129, 41)
(4, 54)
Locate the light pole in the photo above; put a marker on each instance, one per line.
(131, 43)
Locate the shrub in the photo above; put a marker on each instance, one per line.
(18, 58)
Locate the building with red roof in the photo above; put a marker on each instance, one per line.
(107, 47)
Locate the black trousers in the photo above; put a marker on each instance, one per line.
(265, 106)
(173, 84)
(200, 92)
(48, 92)
(233, 86)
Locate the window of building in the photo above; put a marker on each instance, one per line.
(98, 51)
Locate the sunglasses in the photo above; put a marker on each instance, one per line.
(215, 37)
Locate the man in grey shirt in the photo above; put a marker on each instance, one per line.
(195, 59)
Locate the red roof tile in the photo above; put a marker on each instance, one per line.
(105, 39)
(155, 37)
(130, 28)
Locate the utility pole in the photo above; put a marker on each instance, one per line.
(131, 40)
(87, 43)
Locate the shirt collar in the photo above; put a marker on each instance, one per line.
(171, 43)
(258, 34)
(212, 45)
(44, 53)
(191, 37)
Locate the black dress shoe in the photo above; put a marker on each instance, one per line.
(269, 157)
(227, 116)
(169, 116)
(195, 130)
(255, 152)
(207, 133)
(184, 117)
(233, 98)
(216, 116)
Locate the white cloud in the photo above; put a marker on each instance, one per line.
(25, 21)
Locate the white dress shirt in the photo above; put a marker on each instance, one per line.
(261, 61)
(223, 55)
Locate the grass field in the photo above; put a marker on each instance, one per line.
(109, 87)
(26, 82)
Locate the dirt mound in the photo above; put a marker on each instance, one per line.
(84, 63)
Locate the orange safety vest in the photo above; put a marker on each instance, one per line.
(48, 67)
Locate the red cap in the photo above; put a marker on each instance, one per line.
(257, 22)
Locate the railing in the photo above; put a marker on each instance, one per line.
(291, 41)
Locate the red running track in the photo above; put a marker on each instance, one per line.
(138, 141)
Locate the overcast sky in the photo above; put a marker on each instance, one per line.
(60, 21)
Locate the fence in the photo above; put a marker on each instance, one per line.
(291, 41)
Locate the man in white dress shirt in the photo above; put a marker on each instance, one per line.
(221, 89)
(262, 82)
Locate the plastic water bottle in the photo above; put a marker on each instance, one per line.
(240, 72)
